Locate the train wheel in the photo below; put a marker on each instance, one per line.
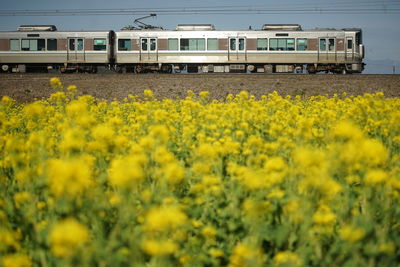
(137, 69)
(311, 69)
(5, 68)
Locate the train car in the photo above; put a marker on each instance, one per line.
(192, 47)
(272, 49)
(42, 47)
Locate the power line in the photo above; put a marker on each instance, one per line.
(363, 7)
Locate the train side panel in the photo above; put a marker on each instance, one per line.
(319, 50)
(53, 49)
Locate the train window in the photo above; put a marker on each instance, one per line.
(322, 44)
(144, 44)
(71, 44)
(331, 44)
(273, 44)
(51, 44)
(358, 38)
(302, 44)
(282, 44)
(33, 44)
(290, 44)
(14, 44)
(350, 44)
(124, 44)
(194, 44)
(262, 44)
(232, 44)
(79, 44)
(212, 44)
(241, 44)
(41, 44)
(153, 44)
(201, 44)
(99, 44)
(173, 44)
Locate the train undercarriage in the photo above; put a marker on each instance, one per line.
(242, 68)
(336, 68)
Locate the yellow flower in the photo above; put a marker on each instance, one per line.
(276, 193)
(206, 151)
(373, 152)
(156, 247)
(174, 173)
(67, 237)
(346, 130)
(324, 215)
(287, 258)
(387, 248)
(35, 110)
(70, 177)
(351, 234)
(209, 233)
(72, 89)
(103, 133)
(8, 239)
(148, 93)
(126, 171)
(255, 209)
(216, 253)
(21, 198)
(375, 177)
(16, 260)
(76, 108)
(159, 132)
(40, 226)
(164, 218)
(275, 164)
(55, 83)
(246, 255)
(185, 259)
(204, 95)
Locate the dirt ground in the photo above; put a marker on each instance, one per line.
(28, 87)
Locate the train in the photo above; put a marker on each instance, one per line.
(194, 48)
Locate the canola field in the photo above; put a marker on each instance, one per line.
(276, 181)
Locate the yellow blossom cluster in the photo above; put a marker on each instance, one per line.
(275, 181)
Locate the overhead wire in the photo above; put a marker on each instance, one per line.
(338, 7)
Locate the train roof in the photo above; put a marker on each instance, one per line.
(37, 28)
(187, 27)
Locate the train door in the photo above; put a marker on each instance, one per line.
(349, 48)
(237, 49)
(76, 50)
(148, 50)
(327, 50)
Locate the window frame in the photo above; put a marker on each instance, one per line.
(18, 42)
(52, 45)
(124, 48)
(351, 43)
(322, 40)
(260, 48)
(173, 44)
(33, 44)
(331, 46)
(282, 44)
(102, 47)
(208, 44)
(298, 45)
(188, 43)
